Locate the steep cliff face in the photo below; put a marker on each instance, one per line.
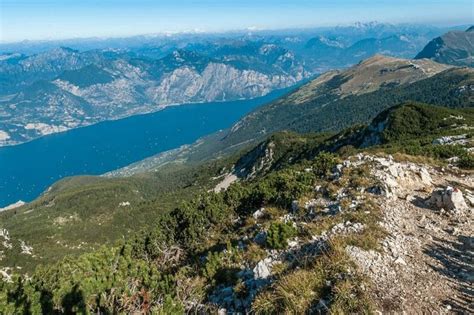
(217, 82)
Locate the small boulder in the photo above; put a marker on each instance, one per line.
(259, 213)
(262, 270)
(425, 176)
(470, 198)
(260, 238)
(294, 206)
(449, 199)
(337, 171)
(400, 261)
(293, 243)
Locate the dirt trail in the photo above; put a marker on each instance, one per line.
(426, 265)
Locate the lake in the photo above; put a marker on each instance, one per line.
(28, 169)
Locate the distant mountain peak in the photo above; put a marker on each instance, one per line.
(370, 24)
(454, 48)
(63, 50)
(181, 57)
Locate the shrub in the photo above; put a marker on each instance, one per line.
(279, 233)
(222, 267)
(324, 163)
(466, 161)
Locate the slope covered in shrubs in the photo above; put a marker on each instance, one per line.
(273, 242)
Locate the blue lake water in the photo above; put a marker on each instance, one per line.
(28, 169)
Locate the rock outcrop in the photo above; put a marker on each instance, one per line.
(449, 198)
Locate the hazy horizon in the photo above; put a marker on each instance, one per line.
(70, 19)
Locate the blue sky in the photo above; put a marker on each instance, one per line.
(52, 19)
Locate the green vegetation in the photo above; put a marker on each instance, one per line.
(178, 243)
(413, 127)
(80, 214)
(279, 233)
(422, 122)
(148, 271)
(300, 291)
(443, 89)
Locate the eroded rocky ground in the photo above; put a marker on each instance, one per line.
(426, 262)
(423, 263)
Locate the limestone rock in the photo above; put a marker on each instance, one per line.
(263, 269)
(449, 199)
(294, 205)
(259, 213)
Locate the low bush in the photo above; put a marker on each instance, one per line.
(279, 233)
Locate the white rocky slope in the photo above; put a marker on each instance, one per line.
(426, 263)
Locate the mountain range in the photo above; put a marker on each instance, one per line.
(61, 88)
(65, 88)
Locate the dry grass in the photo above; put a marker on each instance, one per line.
(402, 157)
(332, 277)
(254, 253)
(292, 294)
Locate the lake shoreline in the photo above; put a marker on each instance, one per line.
(28, 169)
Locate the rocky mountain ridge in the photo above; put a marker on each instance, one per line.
(455, 48)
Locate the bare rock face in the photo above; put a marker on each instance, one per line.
(397, 178)
(449, 199)
(259, 213)
(470, 198)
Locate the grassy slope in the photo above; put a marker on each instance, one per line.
(81, 213)
(315, 116)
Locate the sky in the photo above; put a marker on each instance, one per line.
(59, 19)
